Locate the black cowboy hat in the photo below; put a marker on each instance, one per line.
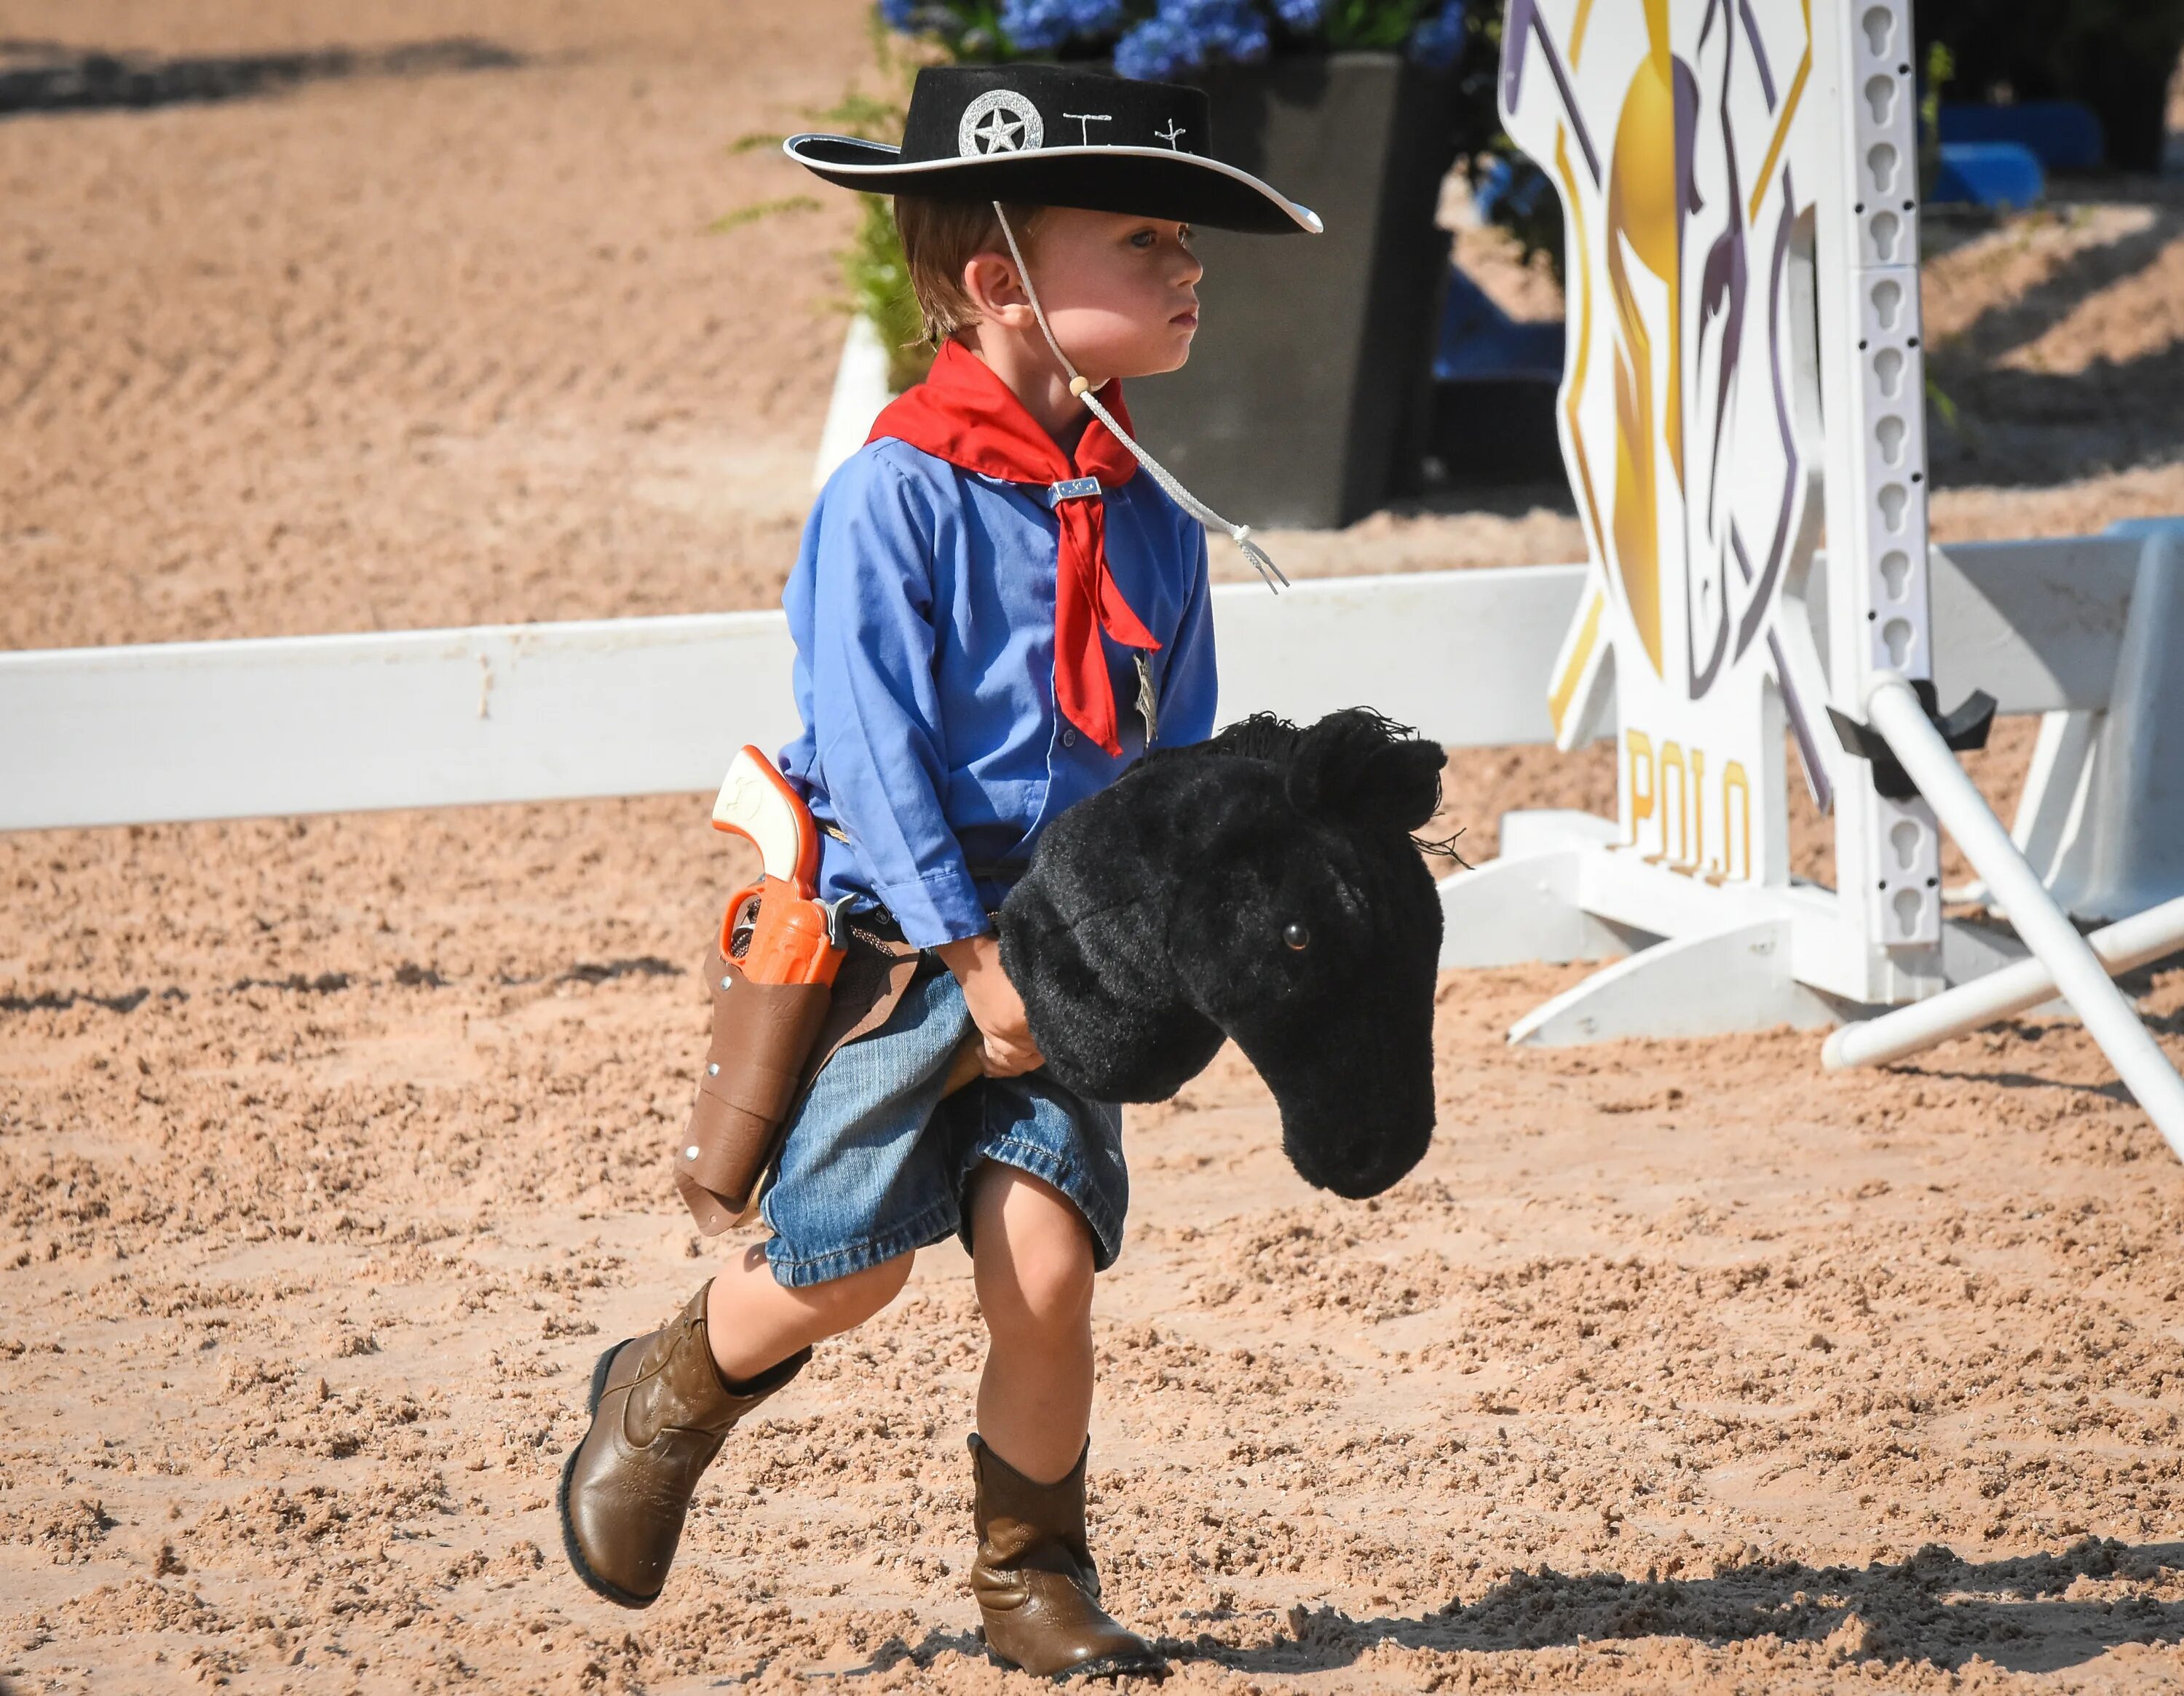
(1050, 135)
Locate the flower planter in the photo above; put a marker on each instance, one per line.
(1308, 398)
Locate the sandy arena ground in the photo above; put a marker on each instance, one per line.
(332, 1150)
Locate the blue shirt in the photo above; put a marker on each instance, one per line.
(923, 609)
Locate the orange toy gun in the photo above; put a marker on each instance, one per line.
(777, 930)
(781, 948)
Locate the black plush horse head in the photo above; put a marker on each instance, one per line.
(1262, 885)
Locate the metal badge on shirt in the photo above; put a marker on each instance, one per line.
(1148, 705)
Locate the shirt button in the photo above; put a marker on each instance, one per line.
(1069, 738)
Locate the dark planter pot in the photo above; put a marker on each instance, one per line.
(1308, 399)
(1496, 432)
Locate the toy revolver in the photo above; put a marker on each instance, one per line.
(773, 988)
(773, 994)
(777, 930)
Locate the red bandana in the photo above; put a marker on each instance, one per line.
(966, 415)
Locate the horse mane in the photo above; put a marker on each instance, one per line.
(1263, 735)
(1355, 734)
(1356, 762)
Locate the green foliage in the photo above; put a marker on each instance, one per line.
(1940, 67)
(1938, 401)
(1384, 24)
(879, 281)
(764, 209)
(1941, 70)
(868, 117)
(873, 269)
(874, 275)
(966, 31)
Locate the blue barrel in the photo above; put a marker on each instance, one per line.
(2063, 135)
(1999, 175)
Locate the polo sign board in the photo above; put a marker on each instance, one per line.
(1689, 411)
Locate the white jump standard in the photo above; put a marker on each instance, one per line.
(1713, 163)
(1739, 187)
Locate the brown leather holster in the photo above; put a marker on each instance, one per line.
(770, 1041)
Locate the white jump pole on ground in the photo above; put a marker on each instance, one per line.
(1895, 711)
(2120, 946)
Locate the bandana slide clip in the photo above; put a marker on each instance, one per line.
(1072, 489)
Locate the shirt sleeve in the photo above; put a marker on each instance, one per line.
(1188, 684)
(876, 709)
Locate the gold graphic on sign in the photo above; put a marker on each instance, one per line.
(1644, 223)
(1688, 411)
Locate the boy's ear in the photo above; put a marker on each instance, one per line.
(991, 282)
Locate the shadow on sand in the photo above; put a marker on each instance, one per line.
(2039, 428)
(1934, 1609)
(45, 76)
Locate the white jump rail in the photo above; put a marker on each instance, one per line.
(1895, 711)
(2120, 946)
(316, 724)
(172, 731)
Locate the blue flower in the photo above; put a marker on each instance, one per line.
(1152, 53)
(1437, 41)
(1302, 16)
(1042, 26)
(937, 18)
(1188, 34)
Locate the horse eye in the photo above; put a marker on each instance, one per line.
(1296, 936)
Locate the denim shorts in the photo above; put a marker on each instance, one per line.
(876, 1163)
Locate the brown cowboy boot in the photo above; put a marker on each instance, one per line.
(1036, 1585)
(659, 1413)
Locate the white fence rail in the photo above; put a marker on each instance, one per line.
(645, 706)
(112, 735)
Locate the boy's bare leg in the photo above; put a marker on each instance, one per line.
(1032, 1255)
(755, 1323)
(1037, 1586)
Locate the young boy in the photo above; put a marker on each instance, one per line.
(994, 616)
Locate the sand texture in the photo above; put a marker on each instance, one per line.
(332, 1151)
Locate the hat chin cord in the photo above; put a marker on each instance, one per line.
(1240, 534)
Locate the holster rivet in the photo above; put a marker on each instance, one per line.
(690, 1152)
(713, 1069)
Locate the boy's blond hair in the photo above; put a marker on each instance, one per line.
(940, 237)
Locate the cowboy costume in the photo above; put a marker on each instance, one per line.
(987, 630)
